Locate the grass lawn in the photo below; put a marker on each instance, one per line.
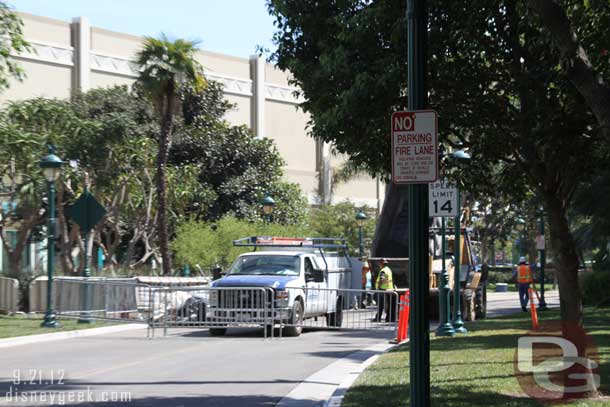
(475, 369)
(12, 326)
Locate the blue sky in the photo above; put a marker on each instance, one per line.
(232, 27)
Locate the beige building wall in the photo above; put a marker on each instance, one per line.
(67, 56)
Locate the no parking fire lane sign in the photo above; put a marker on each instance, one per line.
(414, 147)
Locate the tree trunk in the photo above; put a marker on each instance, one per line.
(164, 140)
(564, 247)
(14, 265)
(391, 233)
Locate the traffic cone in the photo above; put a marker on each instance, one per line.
(403, 318)
(533, 309)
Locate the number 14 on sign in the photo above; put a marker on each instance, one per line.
(442, 199)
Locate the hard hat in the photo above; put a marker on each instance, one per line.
(384, 261)
(522, 259)
(365, 265)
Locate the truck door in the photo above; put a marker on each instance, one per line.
(314, 280)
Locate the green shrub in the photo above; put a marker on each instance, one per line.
(210, 243)
(595, 288)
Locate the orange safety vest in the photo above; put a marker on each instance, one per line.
(524, 274)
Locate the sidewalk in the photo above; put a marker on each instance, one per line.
(499, 304)
(55, 336)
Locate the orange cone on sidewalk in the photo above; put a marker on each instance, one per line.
(403, 317)
(533, 309)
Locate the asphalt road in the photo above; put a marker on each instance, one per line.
(186, 368)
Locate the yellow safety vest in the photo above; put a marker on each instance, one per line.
(524, 274)
(384, 279)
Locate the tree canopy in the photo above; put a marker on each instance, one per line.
(494, 77)
(110, 137)
(13, 41)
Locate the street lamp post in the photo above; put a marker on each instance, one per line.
(444, 328)
(51, 168)
(542, 304)
(360, 218)
(268, 206)
(458, 323)
(521, 229)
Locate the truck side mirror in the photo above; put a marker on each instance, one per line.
(217, 272)
(316, 276)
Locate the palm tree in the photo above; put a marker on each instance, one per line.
(164, 67)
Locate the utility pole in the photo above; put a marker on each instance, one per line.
(419, 329)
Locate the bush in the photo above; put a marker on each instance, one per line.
(595, 288)
(211, 243)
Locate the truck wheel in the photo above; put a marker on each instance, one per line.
(481, 302)
(218, 331)
(296, 320)
(335, 319)
(469, 308)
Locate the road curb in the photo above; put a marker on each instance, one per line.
(80, 333)
(327, 386)
(337, 397)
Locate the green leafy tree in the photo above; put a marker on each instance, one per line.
(26, 128)
(210, 243)
(340, 221)
(495, 79)
(585, 69)
(12, 41)
(239, 168)
(120, 161)
(165, 66)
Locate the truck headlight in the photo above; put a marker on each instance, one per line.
(281, 297)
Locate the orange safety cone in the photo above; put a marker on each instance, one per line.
(533, 309)
(403, 317)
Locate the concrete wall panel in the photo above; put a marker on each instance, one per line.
(240, 114)
(46, 30)
(106, 80)
(114, 44)
(286, 126)
(42, 79)
(274, 75)
(225, 64)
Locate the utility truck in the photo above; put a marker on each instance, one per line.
(302, 278)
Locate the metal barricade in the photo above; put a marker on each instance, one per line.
(342, 309)
(100, 298)
(215, 308)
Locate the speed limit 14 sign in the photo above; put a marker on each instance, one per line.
(442, 199)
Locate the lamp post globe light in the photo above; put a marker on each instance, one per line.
(268, 206)
(460, 157)
(520, 225)
(360, 219)
(542, 303)
(51, 169)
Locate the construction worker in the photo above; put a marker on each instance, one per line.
(384, 300)
(524, 279)
(367, 284)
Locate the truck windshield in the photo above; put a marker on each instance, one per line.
(268, 265)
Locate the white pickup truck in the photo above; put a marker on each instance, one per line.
(303, 276)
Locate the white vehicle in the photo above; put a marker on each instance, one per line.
(303, 277)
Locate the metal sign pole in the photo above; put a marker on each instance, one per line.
(419, 350)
